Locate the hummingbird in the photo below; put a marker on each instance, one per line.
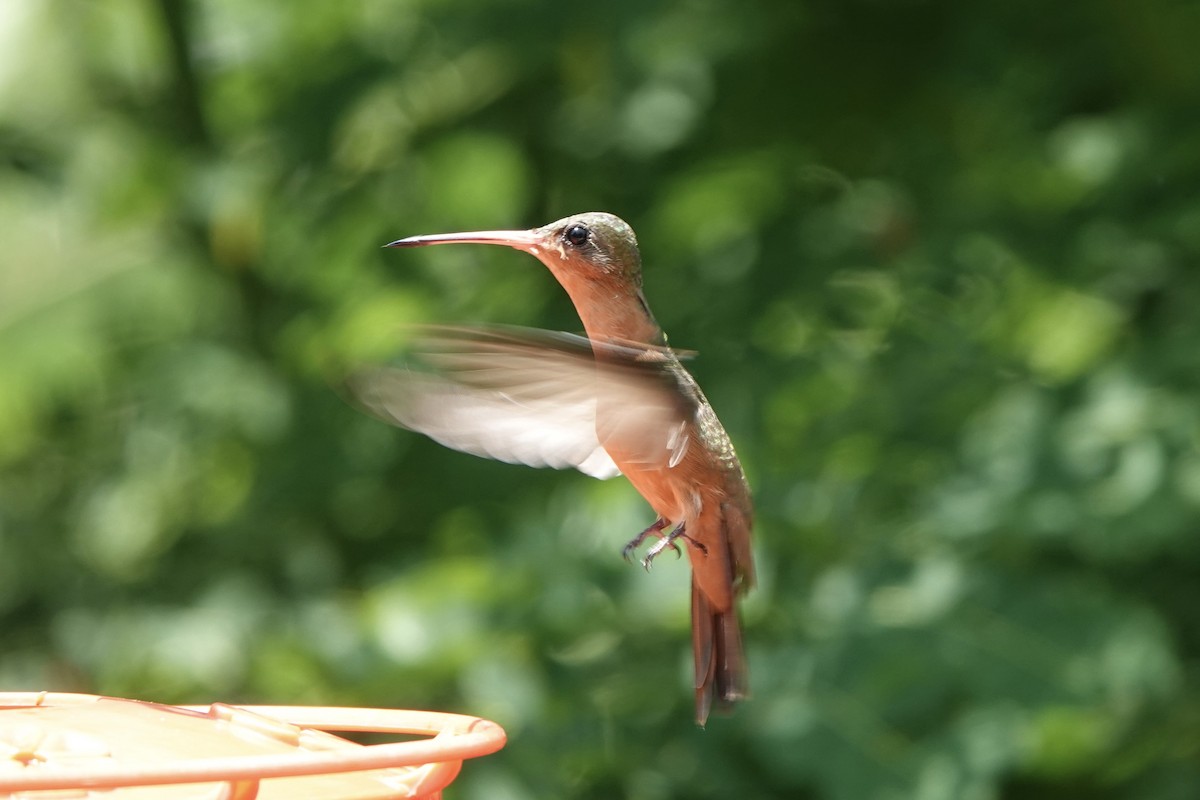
(618, 401)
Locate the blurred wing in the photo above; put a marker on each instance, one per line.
(531, 397)
(487, 422)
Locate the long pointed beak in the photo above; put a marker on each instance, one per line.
(521, 240)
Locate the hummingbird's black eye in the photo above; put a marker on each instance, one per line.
(578, 235)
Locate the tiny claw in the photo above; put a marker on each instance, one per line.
(648, 561)
(636, 542)
(665, 542)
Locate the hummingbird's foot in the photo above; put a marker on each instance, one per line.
(636, 542)
(680, 532)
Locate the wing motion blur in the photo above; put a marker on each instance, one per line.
(530, 396)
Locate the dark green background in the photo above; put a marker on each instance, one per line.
(939, 260)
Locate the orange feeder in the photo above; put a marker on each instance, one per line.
(83, 746)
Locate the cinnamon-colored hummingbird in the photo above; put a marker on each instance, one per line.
(617, 402)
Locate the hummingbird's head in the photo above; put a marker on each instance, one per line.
(594, 246)
(595, 258)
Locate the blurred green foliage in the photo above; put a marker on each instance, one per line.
(940, 262)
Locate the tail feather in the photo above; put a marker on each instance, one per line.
(721, 675)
